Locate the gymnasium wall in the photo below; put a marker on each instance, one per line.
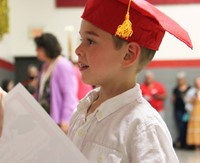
(26, 15)
(6, 70)
(165, 73)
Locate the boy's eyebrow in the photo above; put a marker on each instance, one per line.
(91, 33)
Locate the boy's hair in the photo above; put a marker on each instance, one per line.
(145, 57)
(50, 44)
(118, 42)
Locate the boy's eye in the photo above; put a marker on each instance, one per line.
(90, 41)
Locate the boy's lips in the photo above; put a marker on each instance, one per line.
(82, 66)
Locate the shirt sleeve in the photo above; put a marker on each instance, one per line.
(153, 144)
(162, 90)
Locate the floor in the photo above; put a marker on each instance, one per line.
(189, 156)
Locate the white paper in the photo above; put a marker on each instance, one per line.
(31, 136)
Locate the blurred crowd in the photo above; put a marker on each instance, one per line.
(185, 100)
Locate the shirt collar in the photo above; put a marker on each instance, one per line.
(85, 103)
(111, 105)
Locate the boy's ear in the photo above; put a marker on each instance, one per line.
(132, 53)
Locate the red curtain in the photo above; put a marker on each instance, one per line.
(77, 3)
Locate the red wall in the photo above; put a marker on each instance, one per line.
(174, 63)
(172, 1)
(70, 3)
(6, 65)
(154, 64)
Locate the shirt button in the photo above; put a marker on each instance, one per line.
(100, 115)
(81, 133)
(101, 158)
(139, 100)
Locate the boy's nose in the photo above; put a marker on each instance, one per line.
(78, 51)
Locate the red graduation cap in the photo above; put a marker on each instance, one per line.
(140, 21)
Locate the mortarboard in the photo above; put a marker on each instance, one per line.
(146, 24)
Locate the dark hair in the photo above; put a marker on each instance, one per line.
(50, 44)
(5, 83)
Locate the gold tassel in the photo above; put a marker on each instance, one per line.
(4, 23)
(125, 30)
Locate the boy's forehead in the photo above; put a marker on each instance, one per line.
(148, 23)
(87, 25)
(90, 29)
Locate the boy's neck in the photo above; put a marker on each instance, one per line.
(110, 90)
(122, 83)
(107, 92)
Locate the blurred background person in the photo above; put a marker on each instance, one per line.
(57, 83)
(193, 98)
(180, 112)
(31, 83)
(7, 84)
(154, 92)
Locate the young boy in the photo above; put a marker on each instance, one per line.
(114, 123)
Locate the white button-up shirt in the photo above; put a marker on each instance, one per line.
(123, 129)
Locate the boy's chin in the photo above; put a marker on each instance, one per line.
(87, 81)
